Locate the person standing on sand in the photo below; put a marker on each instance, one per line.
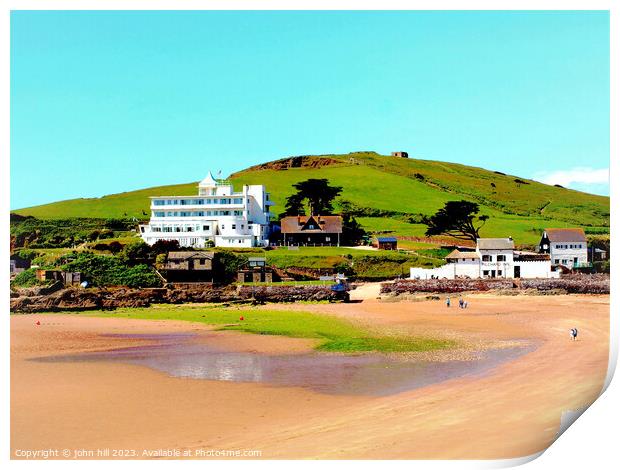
(461, 302)
(573, 333)
(448, 302)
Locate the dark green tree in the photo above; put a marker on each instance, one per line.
(456, 219)
(314, 196)
(352, 231)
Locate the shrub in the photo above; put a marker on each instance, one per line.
(165, 246)
(136, 253)
(27, 278)
(226, 264)
(110, 271)
(115, 247)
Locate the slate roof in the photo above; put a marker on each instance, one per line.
(565, 234)
(324, 224)
(190, 254)
(495, 244)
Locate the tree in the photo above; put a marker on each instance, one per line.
(456, 219)
(314, 194)
(352, 231)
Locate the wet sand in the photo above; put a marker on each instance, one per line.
(511, 411)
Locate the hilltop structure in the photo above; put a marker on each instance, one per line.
(566, 246)
(493, 258)
(216, 216)
(313, 230)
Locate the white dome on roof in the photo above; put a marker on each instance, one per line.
(208, 181)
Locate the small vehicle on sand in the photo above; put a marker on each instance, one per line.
(341, 289)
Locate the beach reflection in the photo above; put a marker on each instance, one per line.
(367, 374)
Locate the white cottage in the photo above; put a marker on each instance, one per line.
(217, 214)
(566, 247)
(493, 258)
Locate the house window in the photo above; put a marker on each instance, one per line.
(234, 226)
(327, 239)
(501, 257)
(205, 228)
(564, 261)
(487, 258)
(485, 272)
(499, 272)
(311, 227)
(202, 261)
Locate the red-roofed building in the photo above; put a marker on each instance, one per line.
(313, 230)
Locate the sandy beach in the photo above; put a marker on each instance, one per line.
(511, 411)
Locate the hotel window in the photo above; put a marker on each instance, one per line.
(501, 257)
(234, 226)
(238, 201)
(223, 226)
(159, 214)
(158, 202)
(485, 273)
(205, 228)
(499, 272)
(487, 258)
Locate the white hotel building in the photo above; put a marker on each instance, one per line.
(216, 214)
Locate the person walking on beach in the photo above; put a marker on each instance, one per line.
(461, 302)
(464, 303)
(448, 302)
(573, 333)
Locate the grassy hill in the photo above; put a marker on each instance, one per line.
(402, 188)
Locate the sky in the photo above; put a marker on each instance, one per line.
(110, 101)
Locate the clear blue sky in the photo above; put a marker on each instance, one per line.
(103, 102)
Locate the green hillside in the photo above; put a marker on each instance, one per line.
(404, 188)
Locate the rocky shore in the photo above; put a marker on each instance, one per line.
(576, 284)
(74, 299)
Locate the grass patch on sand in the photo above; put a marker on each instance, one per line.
(334, 334)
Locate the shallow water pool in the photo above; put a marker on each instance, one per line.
(365, 374)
